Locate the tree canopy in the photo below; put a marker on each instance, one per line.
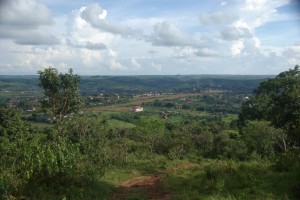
(277, 100)
(61, 93)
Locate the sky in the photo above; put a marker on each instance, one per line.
(149, 37)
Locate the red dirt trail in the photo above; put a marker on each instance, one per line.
(149, 186)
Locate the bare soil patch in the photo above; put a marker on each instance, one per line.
(148, 186)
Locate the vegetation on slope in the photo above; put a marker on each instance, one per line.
(90, 155)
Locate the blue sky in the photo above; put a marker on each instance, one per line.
(149, 37)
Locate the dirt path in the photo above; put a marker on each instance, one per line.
(143, 187)
(146, 187)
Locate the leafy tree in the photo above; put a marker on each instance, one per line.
(61, 93)
(277, 100)
(260, 138)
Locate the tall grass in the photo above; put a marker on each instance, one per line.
(225, 179)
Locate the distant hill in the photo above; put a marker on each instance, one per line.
(139, 84)
(175, 83)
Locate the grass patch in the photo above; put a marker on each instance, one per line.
(114, 123)
(221, 179)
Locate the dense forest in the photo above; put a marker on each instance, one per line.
(198, 137)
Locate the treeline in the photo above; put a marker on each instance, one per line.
(185, 83)
(140, 84)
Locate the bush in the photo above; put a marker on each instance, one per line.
(32, 159)
(288, 161)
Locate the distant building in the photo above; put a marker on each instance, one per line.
(137, 109)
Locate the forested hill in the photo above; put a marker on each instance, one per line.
(136, 84)
(177, 83)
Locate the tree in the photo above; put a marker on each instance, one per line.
(277, 100)
(260, 138)
(61, 93)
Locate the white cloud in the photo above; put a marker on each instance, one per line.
(234, 33)
(21, 21)
(259, 12)
(217, 18)
(255, 4)
(24, 13)
(115, 65)
(292, 52)
(95, 15)
(223, 3)
(135, 64)
(156, 66)
(237, 48)
(88, 45)
(205, 52)
(29, 37)
(168, 34)
(90, 41)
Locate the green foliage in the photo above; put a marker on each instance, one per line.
(136, 194)
(260, 138)
(90, 136)
(61, 93)
(70, 162)
(35, 159)
(277, 100)
(11, 124)
(289, 161)
(150, 131)
(220, 179)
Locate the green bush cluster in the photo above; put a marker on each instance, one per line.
(42, 158)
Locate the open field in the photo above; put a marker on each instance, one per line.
(138, 101)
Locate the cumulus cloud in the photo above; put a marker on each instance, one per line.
(156, 66)
(24, 13)
(81, 34)
(205, 52)
(292, 52)
(235, 33)
(217, 18)
(135, 64)
(259, 12)
(115, 65)
(21, 21)
(237, 48)
(90, 42)
(184, 53)
(29, 37)
(95, 46)
(95, 15)
(168, 34)
(101, 60)
(88, 45)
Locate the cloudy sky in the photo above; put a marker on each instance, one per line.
(137, 37)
